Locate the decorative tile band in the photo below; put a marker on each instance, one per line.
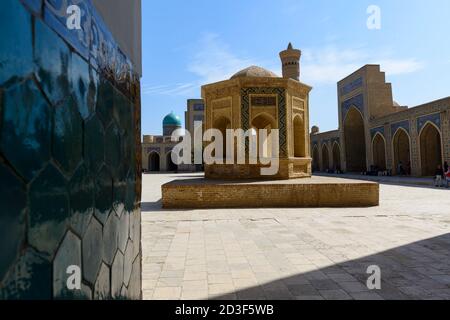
(94, 42)
(402, 124)
(374, 131)
(352, 86)
(282, 113)
(433, 118)
(357, 102)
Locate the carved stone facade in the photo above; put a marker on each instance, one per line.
(376, 134)
(255, 98)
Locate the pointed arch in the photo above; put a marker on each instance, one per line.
(316, 158)
(379, 152)
(325, 158)
(430, 148)
(154, 161)
(355, 141)
(336, 157)
(401, 146)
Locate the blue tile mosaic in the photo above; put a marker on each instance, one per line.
(29, 278)
(16, 54)
(81, 195)
(434, 118)
(67, 136)
(80, 82)
(55, 15)
(346, 89)
(26, 135)
(49, 210)
(94, 144)
(357, 102)
(34, 5)
(12, 218)
(402, 124)
(103, 194)
(53, 58)
(76, 194)
(374, 131)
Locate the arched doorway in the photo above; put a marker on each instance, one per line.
(299, 137)
(430, 149)
(355, 141)
(153, 162)
(325, 158)
(222, 124)
(336, 157)
(402, 153)
(170, 165)
(264, 121)
(379, 152)
(316, 159)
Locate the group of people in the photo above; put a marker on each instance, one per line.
(442, 176)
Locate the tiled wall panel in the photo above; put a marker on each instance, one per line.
(69, 167)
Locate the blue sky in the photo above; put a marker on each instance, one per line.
(190, 43)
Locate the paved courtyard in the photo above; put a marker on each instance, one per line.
(298, 253)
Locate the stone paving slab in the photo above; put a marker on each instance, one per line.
(310, 254)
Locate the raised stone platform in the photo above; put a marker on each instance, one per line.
(201, 193)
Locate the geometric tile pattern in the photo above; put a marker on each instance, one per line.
(374, 131)
(282, 113)
(69, 122)
(433, 118)
(357, 102)
(402, 124)
(351, 86)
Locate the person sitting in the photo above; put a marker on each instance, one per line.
(447, 178)
(439, 175)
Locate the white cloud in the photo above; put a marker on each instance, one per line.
(329, 65)
(214, 60)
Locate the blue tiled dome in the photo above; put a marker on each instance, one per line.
(172, 120)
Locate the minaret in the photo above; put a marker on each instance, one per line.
(290, 59)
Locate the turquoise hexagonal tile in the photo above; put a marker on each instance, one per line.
(49, 210)
(12, 217)
(105, 98)
(26, 135)
(80, 82)
(103, 194)
(110, 238)
(117, 275)
(113, 147)
(102, 289)
(16, 55)
(122, 111)
(30, 279)
(94, 144)
(68, 254)
(81, 193)
(53, 59)
(34, 5)
(67, 135)
(92, 247)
